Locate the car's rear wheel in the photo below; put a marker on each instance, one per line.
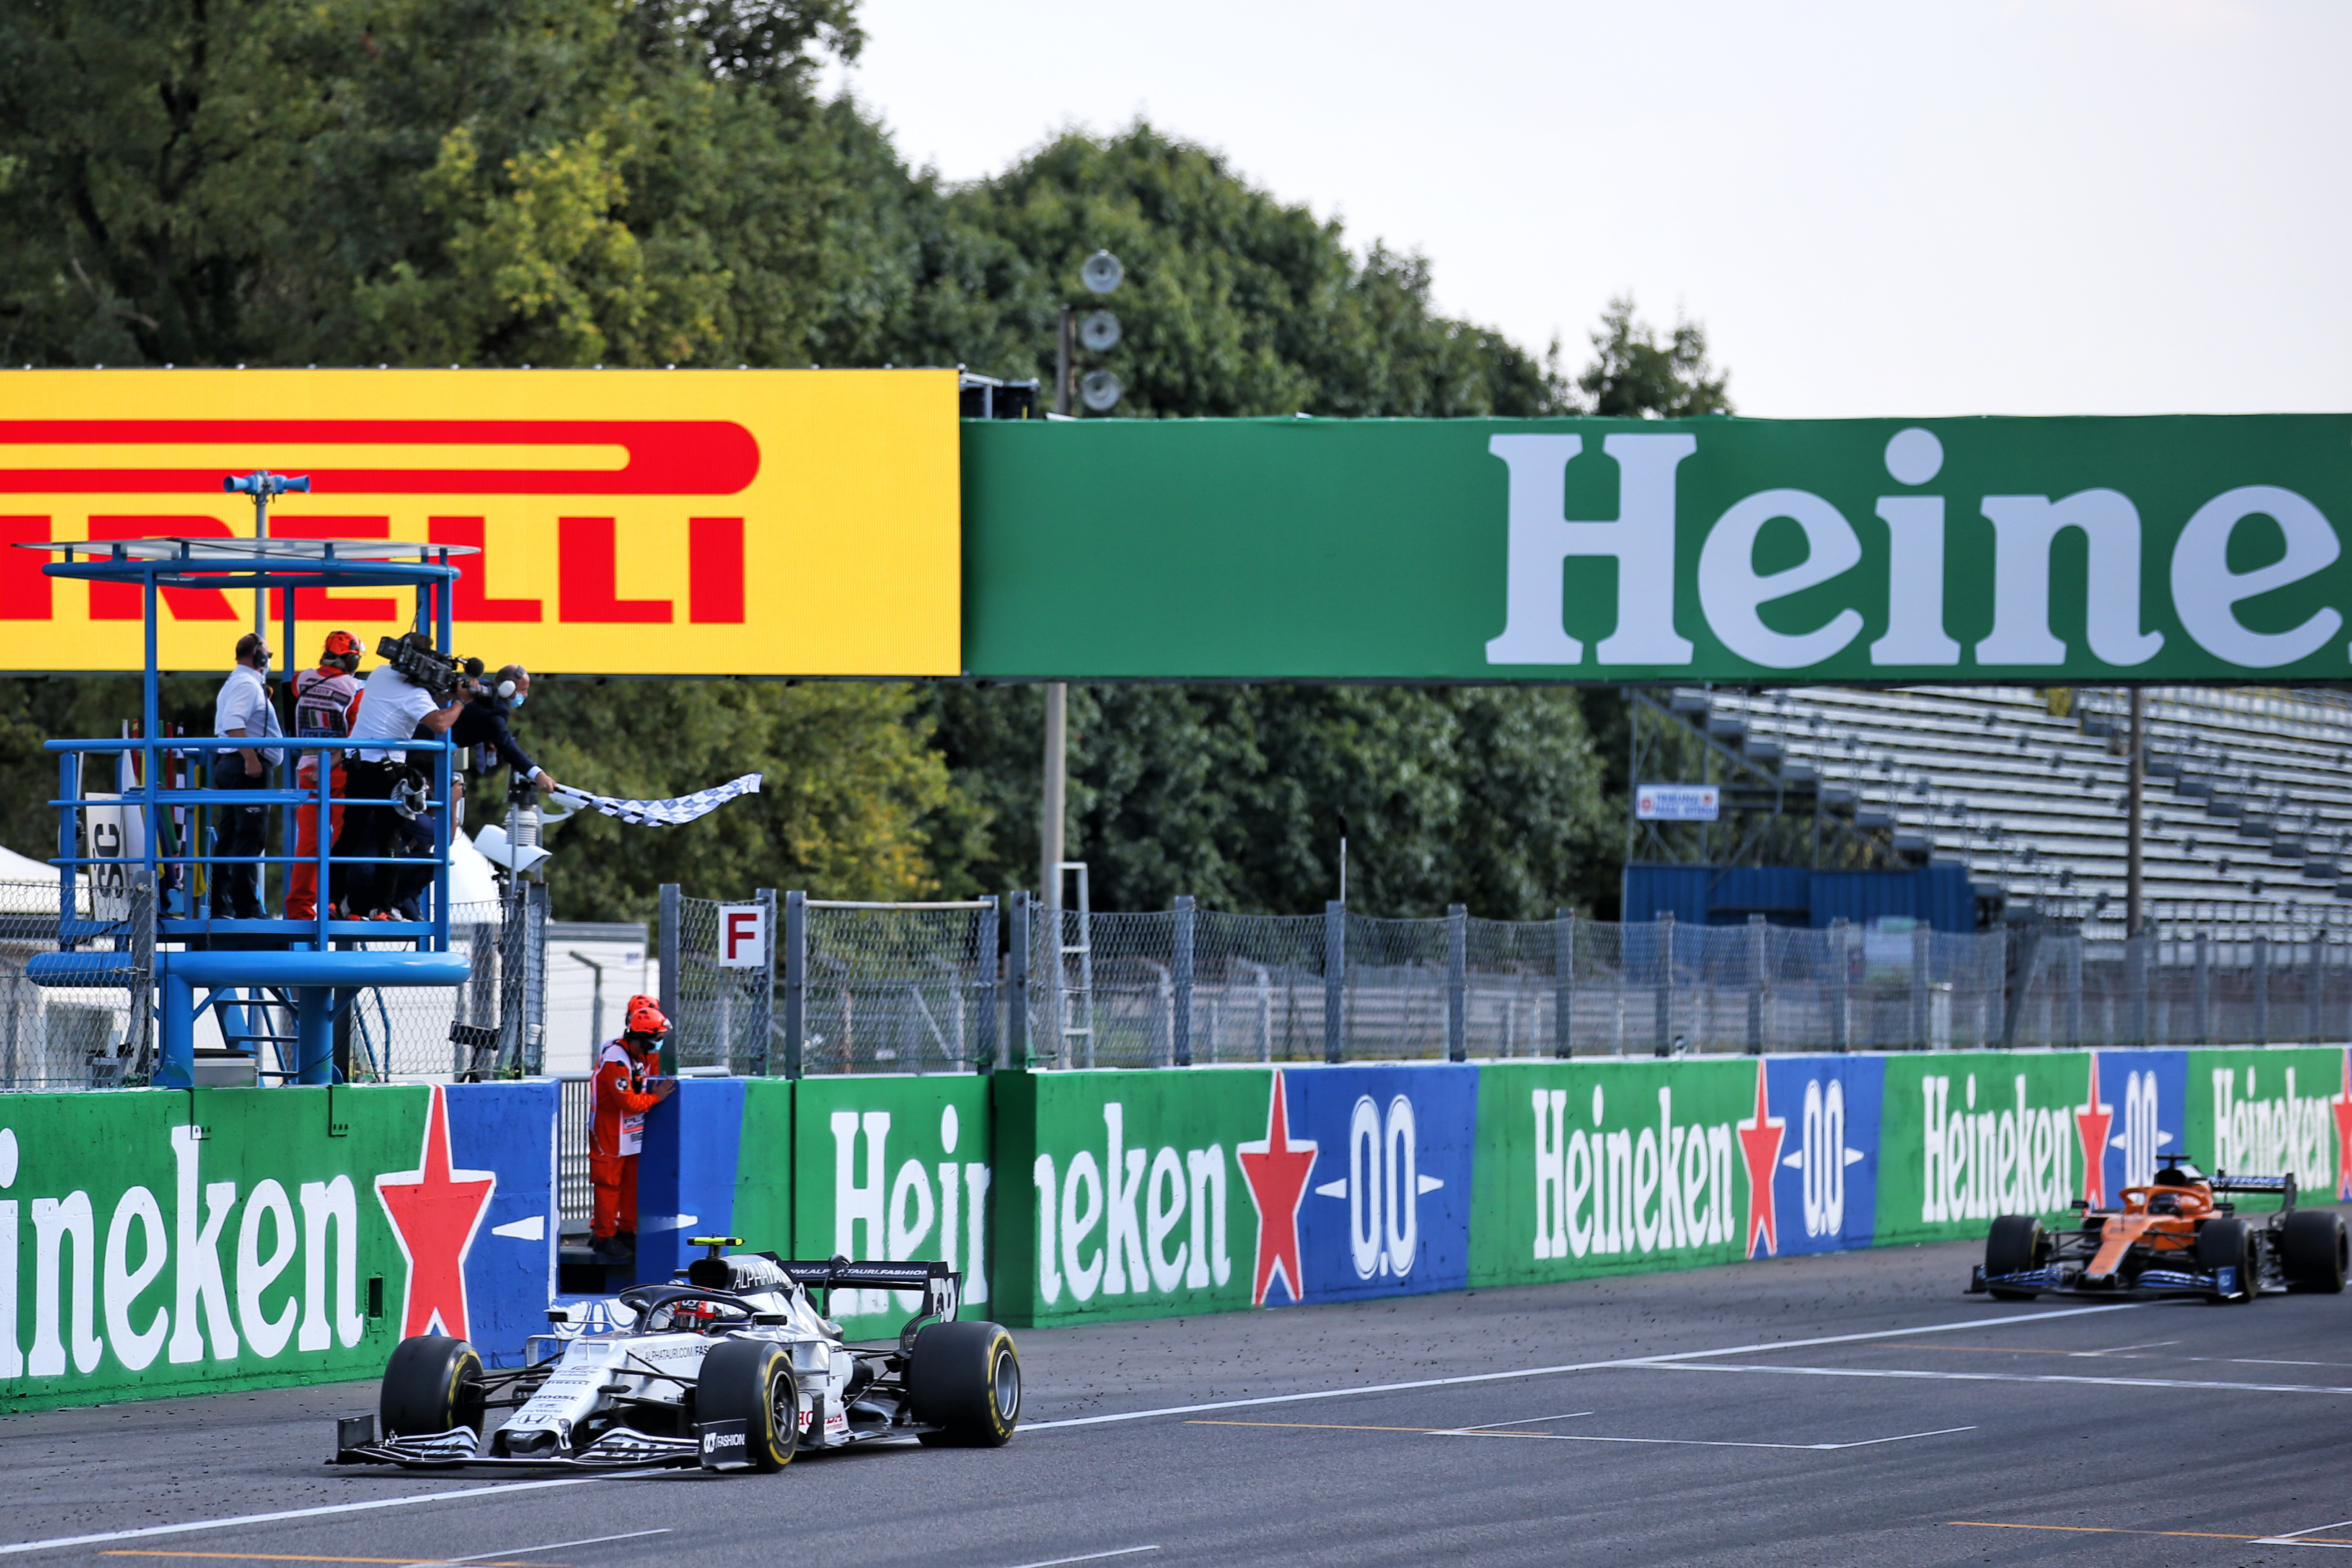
(964, 1379)
(432, 1385)
(2227, 1243)
(2012, 1247)
(752, 1381)
(2314, 1248)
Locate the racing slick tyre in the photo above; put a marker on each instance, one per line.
(2313, 1246)
(2012, 1247)
(432, 1385)
(752, 1381)
(2227, 1244)
(965, 1380)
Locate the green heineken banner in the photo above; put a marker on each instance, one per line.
(892, 1168)
(154, 1242)
(2035, 550)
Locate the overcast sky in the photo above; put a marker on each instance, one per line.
(2115, 206)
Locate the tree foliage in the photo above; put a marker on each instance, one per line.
(1635, 376)
(658, 182)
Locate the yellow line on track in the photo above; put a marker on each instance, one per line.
(2113, 1530)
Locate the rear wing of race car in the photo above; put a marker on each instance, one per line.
(2283, 1186)
(942, 1286)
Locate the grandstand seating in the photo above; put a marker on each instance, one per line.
(2248, 807)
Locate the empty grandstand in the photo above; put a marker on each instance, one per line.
(2248, 810)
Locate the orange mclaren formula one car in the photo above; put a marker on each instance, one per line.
(2174, 1237)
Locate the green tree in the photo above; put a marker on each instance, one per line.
(1633, 375)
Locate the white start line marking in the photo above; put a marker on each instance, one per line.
(2012, 1377)
(1456, 1381)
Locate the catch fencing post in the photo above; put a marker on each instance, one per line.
(1665, 1020)
(2201, 992)
(671, 947)
(1841, 972)
(2074, 971)
(1922, 954)
(1563, 983)
(764, 998)
(1457, 983)
(2316, 988)
(2135, 967)
(1016, 1001)
(795, 979)
(1756, 928)
(2261, 989)
(1180, 961)
(1335, 981)
(984, 970)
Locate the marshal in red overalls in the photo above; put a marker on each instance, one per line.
(625, 1089)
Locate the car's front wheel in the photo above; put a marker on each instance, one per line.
(2227, 1243)
(964, 1379)
(432, 1385)
(2012, 1247)
(752, 1381)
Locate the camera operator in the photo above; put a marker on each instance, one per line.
(243, 709)
(483, 727)
(392, 707)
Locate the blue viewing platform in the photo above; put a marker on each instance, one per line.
(146, 921)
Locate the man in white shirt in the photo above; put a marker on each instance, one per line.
(244, 710)
(392, 707)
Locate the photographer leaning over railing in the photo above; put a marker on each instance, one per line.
(392, 707)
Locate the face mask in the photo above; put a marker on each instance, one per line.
(517, 700)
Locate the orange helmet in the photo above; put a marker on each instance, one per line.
(645, 1016)
(342, 648)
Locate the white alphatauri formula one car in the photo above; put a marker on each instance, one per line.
(735, 1364)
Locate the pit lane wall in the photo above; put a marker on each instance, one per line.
(157, 1242)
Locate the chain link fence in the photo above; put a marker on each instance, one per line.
(821, 987)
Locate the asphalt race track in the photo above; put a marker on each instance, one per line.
(1842, 1409)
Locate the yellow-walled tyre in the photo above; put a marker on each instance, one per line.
(432, 1385)
(752, 1381)
(965, 1380)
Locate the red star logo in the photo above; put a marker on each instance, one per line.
(1759, 1145)
(2342, 1106)
(2090, 1125)
(1276, 1167)
(433, 1211)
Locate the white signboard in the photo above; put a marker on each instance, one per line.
(1677, 803)
(118, 835)
(742, 936)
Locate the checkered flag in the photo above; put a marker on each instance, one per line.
(662, 813)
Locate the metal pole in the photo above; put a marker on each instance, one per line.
(1335, 981)
(795, 979)
(1017, 1005)
(670, 958)
(984, 970)
(763, 999)
(1563, 984)
(1664, 1023)
(1052, 835)
(1756, 928)
(1181, 962)
(1064, 343)
(2202, 991)
(2136, 791)
(2262, 988)
(1457, 983)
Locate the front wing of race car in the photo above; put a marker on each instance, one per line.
(2066, 1279)
(356, 1442)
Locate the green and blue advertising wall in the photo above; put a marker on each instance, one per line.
(154, 1242)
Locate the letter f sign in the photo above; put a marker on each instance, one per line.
(1542, 540)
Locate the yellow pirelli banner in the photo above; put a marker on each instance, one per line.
(630, 522)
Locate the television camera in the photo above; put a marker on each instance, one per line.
(445, 674)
